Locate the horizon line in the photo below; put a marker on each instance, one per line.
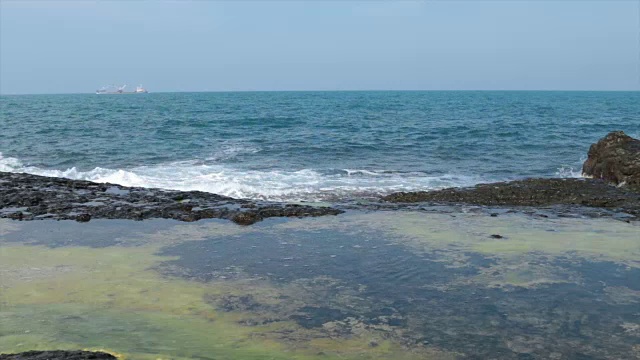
(335, 90)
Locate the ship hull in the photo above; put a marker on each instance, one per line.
(121, 93)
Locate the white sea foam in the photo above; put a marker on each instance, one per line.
(567, 171)
(277, 185)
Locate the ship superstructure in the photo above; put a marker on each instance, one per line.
(113, 89)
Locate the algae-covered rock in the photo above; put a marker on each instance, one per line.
(246, 218)
(616, 159)
(532, 192)
(58, 355)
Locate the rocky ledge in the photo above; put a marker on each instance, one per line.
(532, 192)
(58, 355)
(32, 197)
(613, 164)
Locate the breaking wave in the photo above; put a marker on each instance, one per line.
(275, 185)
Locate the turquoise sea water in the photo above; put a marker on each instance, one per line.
(309, 145)
(362, 285)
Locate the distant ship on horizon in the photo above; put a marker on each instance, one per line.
(120, 90)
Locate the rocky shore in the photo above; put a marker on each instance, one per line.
(58, 355)
(532, 193)
(613, 164)
(32, 197)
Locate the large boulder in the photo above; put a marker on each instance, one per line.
(616, 159)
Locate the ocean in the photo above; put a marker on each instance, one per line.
(309, 146)
(421, 283)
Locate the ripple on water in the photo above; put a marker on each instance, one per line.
(362, 281)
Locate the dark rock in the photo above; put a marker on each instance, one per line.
(315, 316)
(496, 236)
(16, 215)
(616, 159)
(64, 199)
(58, 355)
(246, 218)
(532, 192)
(83, 218)
(236, 303)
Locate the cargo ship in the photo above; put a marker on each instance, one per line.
(120, 90)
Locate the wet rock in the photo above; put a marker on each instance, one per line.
(238, 303)
(246, 218)
(16, 215)
(616, 159)
(83, 218)
(58, 355)
(316, 316)
(532, 192)
(29, 197)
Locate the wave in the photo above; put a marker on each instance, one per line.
(567, 171)
(231, 151)
(273, 185)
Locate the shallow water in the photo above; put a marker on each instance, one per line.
(379, 285)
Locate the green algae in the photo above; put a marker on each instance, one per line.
(201, 230)
(594, 239)
(139, 300)
(523, 272)
(524, 254)
(601, 239)
(138, 335)
(79, 297)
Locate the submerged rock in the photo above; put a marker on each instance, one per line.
(616, 159)
(83, 218)
(32, 197)
(58, 355)
(246, 218)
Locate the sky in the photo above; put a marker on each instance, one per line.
(78, 46)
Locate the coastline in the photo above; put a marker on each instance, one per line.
(33, 197)
(501, 270)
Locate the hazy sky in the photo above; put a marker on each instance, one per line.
(78, 46)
